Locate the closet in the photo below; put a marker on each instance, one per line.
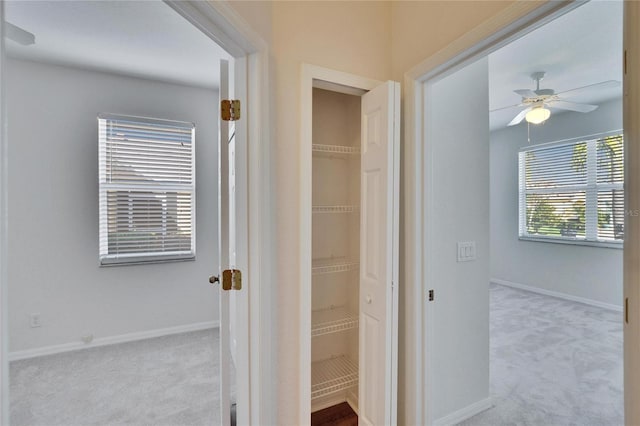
(335, 248)
(349, 245)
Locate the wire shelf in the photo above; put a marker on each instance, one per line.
(332, 320)
(332, 375)
(333, 265)
(334, 209)
(335, 149)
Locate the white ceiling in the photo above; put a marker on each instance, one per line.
(580, 48)
(139, 38)
(148, 39)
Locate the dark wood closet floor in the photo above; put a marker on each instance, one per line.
(338, 415)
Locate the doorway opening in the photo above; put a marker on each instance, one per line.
(349, 239)
(462, 227)
(557, 224)
(149, 327)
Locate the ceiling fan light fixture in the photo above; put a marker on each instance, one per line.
(538, 115)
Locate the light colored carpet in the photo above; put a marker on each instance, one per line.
(171, 380)
(553, 362)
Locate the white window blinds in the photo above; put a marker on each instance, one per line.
(573, 190)
(147, 189)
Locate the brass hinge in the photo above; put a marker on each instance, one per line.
(626, 310)
(231, 279)
(230, 110)
(625, 61)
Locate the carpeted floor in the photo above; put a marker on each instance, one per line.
(170, 380)
(553, 362)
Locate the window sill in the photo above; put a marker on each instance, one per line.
(600, 244)
(109, 262)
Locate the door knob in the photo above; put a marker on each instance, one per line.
(213, 279)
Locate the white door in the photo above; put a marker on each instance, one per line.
(234, 369)
(631, 124)
(379, 256)
(223, 252)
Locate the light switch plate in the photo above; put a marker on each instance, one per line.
(35, 320)
(466, 251)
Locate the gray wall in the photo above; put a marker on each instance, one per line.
(460, 185)
(588, 272)
(53, 216)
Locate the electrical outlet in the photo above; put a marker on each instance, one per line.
(466, 251)
(34, 320)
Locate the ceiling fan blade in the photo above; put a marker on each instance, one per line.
(518, 118)
(572, 106)
(602, 85)
(19, 35)
(507, 107)
(526, 93)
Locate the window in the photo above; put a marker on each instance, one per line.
(147, 189)
(573, 191)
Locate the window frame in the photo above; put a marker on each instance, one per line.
(104, 257)
(591, 189)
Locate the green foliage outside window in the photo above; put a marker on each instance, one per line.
(561, 212)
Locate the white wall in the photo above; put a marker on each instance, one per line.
(374, 39)
(589, 272)
(356, 41)
(459, 134)
(53, 216)
(419, 29)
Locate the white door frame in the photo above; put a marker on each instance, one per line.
(4, 227)
(227, 28)
(416, 357)
(631, 125)
(343, 81)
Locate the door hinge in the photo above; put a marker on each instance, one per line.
(230, 110)
(626, 310)
(431, 296)
(231, 279)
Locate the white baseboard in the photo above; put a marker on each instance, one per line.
(352, 400)
(464, 413)
(111, 340)
(329, 401)
(552, 293)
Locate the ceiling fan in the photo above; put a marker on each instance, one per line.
(536, 102)
(19, 35)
